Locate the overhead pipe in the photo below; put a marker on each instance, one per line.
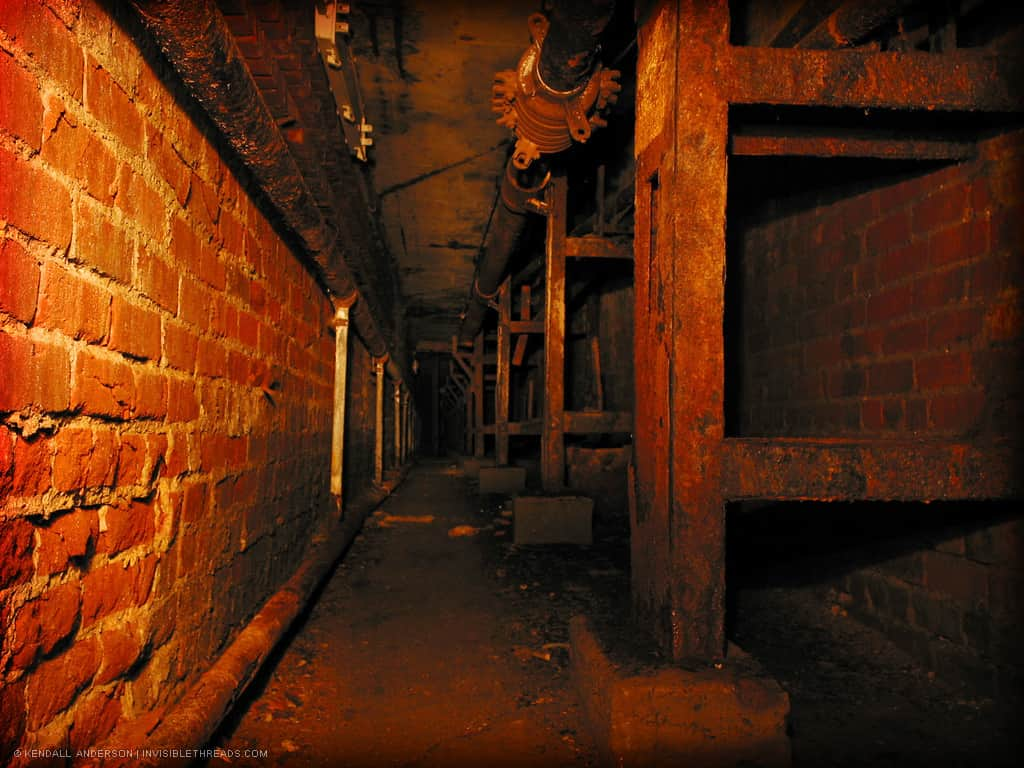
(555, 96)
(853, 22)
(195, 39)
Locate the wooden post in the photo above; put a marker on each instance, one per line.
(678, 526)
(478, 395)
(552, 449)
(378, 435)
(501, 385)
(398, 422)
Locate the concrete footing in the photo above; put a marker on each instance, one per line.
(553, 519)
(507, 480)
(471, 466)
(666, 716)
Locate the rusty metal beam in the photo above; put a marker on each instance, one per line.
(598, 422)
(773, 141)
(528, 427)
(593, 247)
(527, 326)
(856, 470)
(961, 80)
(852, 22)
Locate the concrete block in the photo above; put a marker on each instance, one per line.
(553, 519)
(471, 466)
(713, 718)
(508, 480)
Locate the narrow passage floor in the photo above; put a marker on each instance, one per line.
(431, 645)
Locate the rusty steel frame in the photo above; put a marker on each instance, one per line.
(477, 390)
(776, 141)
(684, 468)
(869, 470)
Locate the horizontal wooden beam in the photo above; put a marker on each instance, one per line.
(882, 470)
(596, 422)
(772, 141)
(526, 326)
(961, 80)
(594, 247)
(531, 427)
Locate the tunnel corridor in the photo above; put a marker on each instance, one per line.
(521, 382)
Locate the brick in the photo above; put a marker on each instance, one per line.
(890, 377)
(142, 205)
(194, 303)
(194, 506)
(939, 210)
(41, 624)
(888, 234)
(72, 304)
(21, 109)
(150, 401)
(16, 545)
(943, 371)
(248, 330)
(33, 201)
(73, 149)
(56, 683)
(84, 460)
(131, 460)
(19, 281)
(953, 326)
(1001, 544)
(902, 263)
(847, 383)
(959, 413)
(12, 714)
(211, 358)
(32, 460)
(211, 268)
(101, 245)
(180, 346)
(103, 386)
(113, 107)
(36, 373)
(134, 330)
(182, 403)
(889, 305)
(871, 415)
(168, 162)
(125, 526)
(940, 288)
(47, 40)
(122, 648)
(95, 718)
(905, 338)
(115, 587)
(937, 614)
(158, 280)
(67, 537)
(964, 580)
(1004, 320)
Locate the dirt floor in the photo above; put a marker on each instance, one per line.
(437, 642)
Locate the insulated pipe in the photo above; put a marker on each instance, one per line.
(571, 43)
(194, 37)
(507, 226)
(341, 312)
(853, 21)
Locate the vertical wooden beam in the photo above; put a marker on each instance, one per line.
(678, 537)
(552, 456)
(341, 308)
(378, 434)
(501, 385)
(477, 389)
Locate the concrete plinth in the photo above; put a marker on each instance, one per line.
(508, 480)
(553, 519)
(471, 466)
(711, 718)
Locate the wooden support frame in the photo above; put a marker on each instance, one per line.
(503, 381)
(552, 450)
(477, 390)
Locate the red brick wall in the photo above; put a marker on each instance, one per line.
(897, 312)
(166, 371)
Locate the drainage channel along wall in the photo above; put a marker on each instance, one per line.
(897, 312)
(166, 373)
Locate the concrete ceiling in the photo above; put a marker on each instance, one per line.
(426, 69)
